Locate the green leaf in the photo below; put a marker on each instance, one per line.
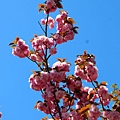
(114, 86)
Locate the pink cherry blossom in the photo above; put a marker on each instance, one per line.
(53, 51)
(33, 57)
(58, 18)
(50, 6)
(43, 22)
(41, 42)
(69, 35)
(104, 96)
(111, 115)
(76, 116)
(74, 84)
(59, 94)
(61, 66)
(21, 50)
(57, 76)
(38, 82)
(80, 73)
(91, 72)
(85, 69)
(93, 112)
(64, 96)
(50, 20)
(51, 25)
(63, 14)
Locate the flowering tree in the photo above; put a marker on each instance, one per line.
(64, 96)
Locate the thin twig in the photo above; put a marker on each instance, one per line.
(70, 100)
(45, 55)
(50, 54)
(46, 25)
(57, 106)
(51, 114)
(41, 27)
(98, 95)
(35, 62)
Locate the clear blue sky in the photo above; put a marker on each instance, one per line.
(99, 34)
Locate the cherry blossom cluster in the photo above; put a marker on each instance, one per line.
(111, 115)
(64, 96)
(57, 74)
(65, 29)
(68, 100)
(40, 44)
(50, 21)
(93, 112)
(20, 49)
(50, 6)
(103, 94)
(38, 81)
(53, 93)
(85, 67)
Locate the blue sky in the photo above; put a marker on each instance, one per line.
(99, 34)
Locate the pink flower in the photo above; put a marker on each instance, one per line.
(51, 25)
(76, 116)
(69, 36)
(57, 76)
(92, 72)
(60, 40)
(64, 14)
(61, 66)
(59, 27)
(79, 72)
(37, 42)
(94, 112)
(45, 76)
(103, 93)
(111, 115)
(50, 20)
(53, 51)
(40, 106)
(103, 90)
(85, 69)
(39, 57)
(58, 18)
(50, 6)
(56, 36)
(21, 50)
(74, 84)
(40, 43)
(43, 22)
(33, 57)
(38, 82)
(59, 94)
